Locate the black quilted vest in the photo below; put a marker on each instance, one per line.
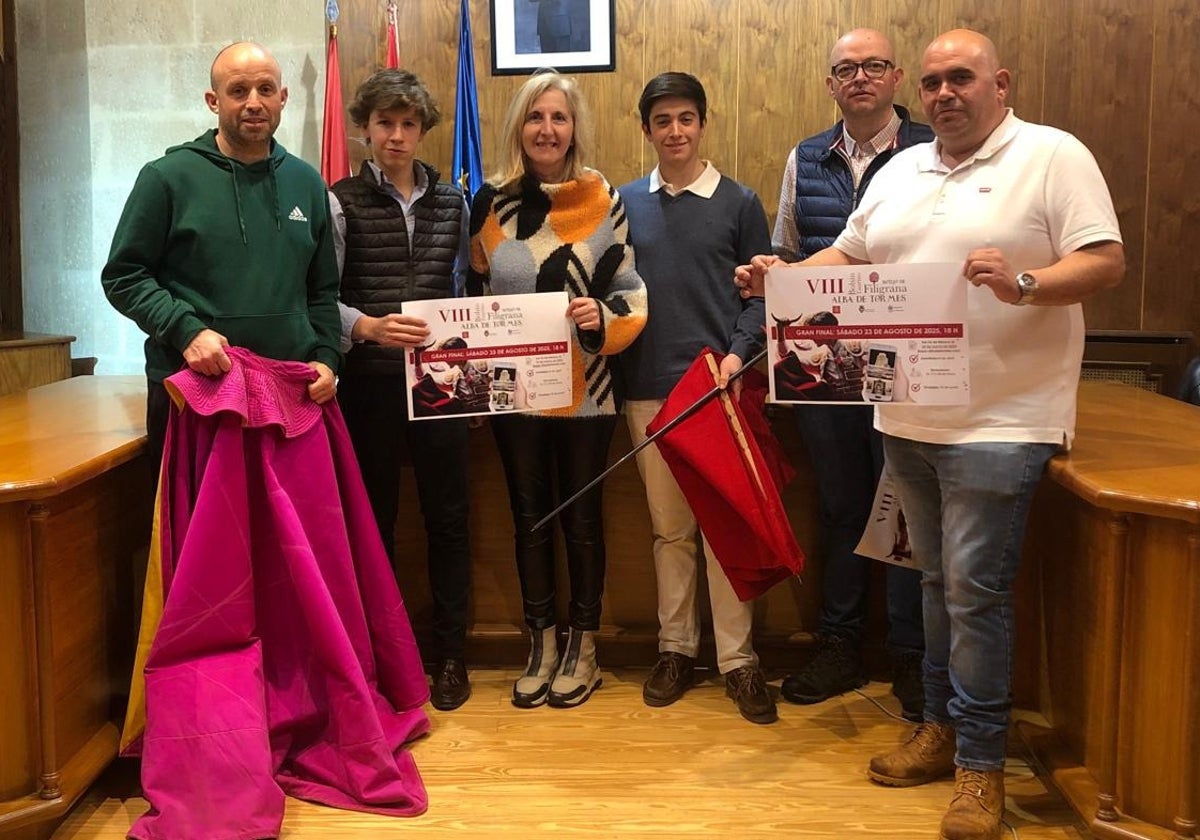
(380, 270)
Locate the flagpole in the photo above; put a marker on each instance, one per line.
(679, 418)
(467, 159)
(393, 37)
(335, 157)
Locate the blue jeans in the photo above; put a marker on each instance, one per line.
(967, 506)
(847, 455)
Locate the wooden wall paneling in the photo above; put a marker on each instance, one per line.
(911, 25)
(31, 359)
(1099, 79)
(17, 695)
(495, 92)
(1187, 819)
(430, 34)
(1171, 299)
(1066, 538)
(633, 66)
(360, 36)
(95, 534)
(782, 97)
(1020, 29)
(1154, 662)
(612, 98)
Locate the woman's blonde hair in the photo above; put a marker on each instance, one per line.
(515, 165)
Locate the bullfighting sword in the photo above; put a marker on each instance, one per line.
(679, 418)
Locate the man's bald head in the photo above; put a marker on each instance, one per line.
(969, 44)
(864, 100)
(870, 40)
(237, 55)
(247, 96)
(963, 91)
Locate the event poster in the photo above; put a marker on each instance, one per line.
(868, 333)
(490, 355)
(885, 536)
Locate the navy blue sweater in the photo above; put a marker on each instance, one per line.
(687, 247)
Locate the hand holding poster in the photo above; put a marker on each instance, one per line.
(868, 333)
(489, 355)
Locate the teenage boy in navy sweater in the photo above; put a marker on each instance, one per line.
(690, 227)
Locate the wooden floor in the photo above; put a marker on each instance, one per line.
(615, 768)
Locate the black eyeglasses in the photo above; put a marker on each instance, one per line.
(873, 68)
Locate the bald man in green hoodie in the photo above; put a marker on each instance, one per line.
(227, 240)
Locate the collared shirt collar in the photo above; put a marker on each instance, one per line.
(887, 138)
(704, 185)
(419, 188)
(1001, 136)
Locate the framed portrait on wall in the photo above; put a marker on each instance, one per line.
(572, 36)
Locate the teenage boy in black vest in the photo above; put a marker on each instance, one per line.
(401, 235)
(825, 178)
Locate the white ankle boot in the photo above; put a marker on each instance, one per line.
(578, 675)
(532, 687)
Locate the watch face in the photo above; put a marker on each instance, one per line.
(1027, 285)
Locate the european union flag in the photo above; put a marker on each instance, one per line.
(468, 154)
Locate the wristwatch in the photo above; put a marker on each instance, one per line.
(1027, 286)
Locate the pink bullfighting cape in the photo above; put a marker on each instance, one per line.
(730, 469)
(276, 652)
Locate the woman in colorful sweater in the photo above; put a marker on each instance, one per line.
(547, 223)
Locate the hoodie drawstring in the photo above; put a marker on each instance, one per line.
(237, 200)
(275, 196)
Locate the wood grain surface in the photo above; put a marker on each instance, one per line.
(615, 768)
(1116, 74)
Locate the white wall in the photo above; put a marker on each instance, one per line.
(105, 86)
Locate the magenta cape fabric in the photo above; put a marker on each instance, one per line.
(284, 662)
(745, 525)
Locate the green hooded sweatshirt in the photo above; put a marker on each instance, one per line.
(244, 249)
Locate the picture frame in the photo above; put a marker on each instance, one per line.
(572, 36)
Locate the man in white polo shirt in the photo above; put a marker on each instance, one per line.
(1026, 210)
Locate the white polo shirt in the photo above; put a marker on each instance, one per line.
(1034, 192)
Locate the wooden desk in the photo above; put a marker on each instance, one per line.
(31, 359)
(76, 495)
(1109, 627)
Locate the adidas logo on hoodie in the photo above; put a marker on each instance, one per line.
(297, 215)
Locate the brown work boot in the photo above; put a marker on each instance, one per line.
(748, 688)
(927, 755)
(977, 810)
(673, 674)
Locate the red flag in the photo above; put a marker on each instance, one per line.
(729, 481)
(335, 157)
(393, 39)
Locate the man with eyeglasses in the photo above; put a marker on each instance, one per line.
(825, 178)
(1024, 209)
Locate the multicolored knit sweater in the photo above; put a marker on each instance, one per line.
(569, 236)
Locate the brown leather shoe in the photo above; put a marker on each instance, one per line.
(748, 688)
(672, 675)
(977, 810)
(928, 754)
(451, 688)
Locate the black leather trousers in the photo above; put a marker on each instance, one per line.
(547, 459)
